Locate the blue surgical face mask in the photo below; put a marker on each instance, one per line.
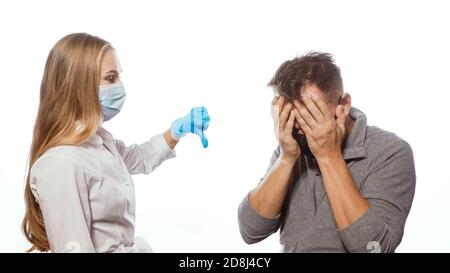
(112, 97)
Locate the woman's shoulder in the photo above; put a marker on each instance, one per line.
(60, 157)
(56, 171)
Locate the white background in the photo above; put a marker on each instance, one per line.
(394, 57)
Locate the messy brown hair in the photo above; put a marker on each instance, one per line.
(312, 68)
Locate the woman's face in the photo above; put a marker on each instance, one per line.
(110, 69)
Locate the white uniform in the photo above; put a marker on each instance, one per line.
(86, 193)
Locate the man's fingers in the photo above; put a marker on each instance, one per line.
(340, 115)
(339, 112)
(284, 115)
(280, 102)
(275, 100)
(297, 104)
(304, 126)
(316, 113)
(298, 117)
(307, 117)
(277, 105)
(321, 105)
(290, 123)
(301, 107)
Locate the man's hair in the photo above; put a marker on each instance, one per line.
(312, 68)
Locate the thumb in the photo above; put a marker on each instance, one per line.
(204, 140)
(202, 136)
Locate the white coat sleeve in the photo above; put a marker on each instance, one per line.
(144, 158)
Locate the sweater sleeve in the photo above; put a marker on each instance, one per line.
(252, 226)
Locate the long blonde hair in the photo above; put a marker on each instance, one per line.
(69, 112)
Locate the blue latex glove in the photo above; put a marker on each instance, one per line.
(196, 121)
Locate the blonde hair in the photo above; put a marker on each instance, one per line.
(69, 112)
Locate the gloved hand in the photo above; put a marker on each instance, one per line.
(196, 121)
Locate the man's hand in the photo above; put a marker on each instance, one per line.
(323, 132)
(325, 135)
(284, 118)
(268, 197)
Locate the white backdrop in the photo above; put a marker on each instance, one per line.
(394, 58)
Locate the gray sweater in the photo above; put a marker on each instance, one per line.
(382, 167)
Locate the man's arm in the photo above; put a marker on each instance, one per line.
(268, 197)
(252, 225)
(346, 201)
(259, 211)
(325, 135)
(375, 217)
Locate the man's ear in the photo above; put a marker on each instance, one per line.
(346, 101)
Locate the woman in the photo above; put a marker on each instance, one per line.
(79, 192)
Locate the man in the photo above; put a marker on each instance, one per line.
(334, 183)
